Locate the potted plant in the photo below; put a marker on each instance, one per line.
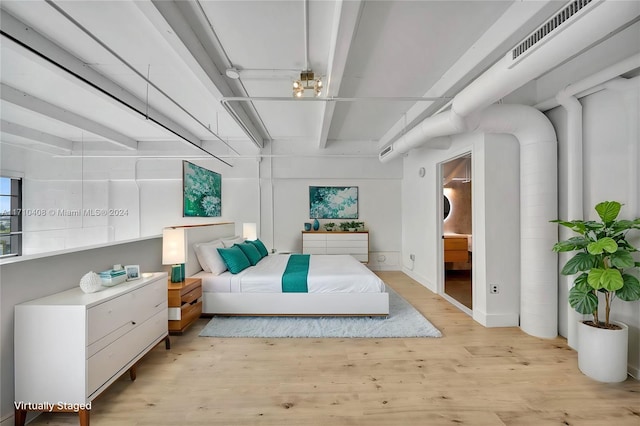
(345, 226)
(329, 226)
(603, 265)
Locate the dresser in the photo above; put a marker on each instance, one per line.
(70, 346)
(337, 242)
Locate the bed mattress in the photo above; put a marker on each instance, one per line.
(327, 274)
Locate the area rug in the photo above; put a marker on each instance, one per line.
(403, 321)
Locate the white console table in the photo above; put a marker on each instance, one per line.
(337, 242)
(70, 346)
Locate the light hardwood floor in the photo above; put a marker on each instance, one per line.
(472, 375)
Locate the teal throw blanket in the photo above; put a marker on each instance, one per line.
(294, 279)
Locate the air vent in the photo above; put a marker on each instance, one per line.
(385, 151)
(550, 28)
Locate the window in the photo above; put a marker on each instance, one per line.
(10, 217)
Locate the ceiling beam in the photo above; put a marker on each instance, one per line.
(45, 108)
(183, 28)
(36, 135)
(345, 22)
(514, 24)
(40, 46)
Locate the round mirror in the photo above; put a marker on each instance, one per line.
(447, 207)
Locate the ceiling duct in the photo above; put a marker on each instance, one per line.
(386, 151)
(551, 28)
(587, 26)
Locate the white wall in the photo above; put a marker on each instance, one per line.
(498, 204)
(285, 182)
(495, 204)
(607, 176)
(141, 196)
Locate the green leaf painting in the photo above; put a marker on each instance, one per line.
(202, 191)
(333, 202)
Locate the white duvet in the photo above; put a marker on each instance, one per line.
(327, 273)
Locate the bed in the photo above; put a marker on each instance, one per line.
(337, 284)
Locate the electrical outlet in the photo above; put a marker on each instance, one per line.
(412, 256)
(493, 288)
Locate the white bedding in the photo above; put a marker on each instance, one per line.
(327, 274)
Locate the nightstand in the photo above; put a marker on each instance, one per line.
(185, 305)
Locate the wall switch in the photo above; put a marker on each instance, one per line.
(493, 288)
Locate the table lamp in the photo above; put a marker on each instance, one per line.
(174, 252)
(249, 231)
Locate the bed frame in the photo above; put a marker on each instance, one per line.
(298, 304)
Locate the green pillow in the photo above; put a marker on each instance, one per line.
(261, 248)
(250, 251)
(234, 258)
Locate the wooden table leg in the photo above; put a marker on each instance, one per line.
(20, 416)
(84, 416)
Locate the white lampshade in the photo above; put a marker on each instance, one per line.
(173, 246)
(249, 231)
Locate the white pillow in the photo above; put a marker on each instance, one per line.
(229, 242)
(209, 257)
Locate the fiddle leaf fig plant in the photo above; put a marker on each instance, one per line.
(604, 261)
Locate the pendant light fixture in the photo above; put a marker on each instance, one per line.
(307, 80)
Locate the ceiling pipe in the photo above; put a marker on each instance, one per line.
(628, 88)
(538, 159)
(306, 35)
(607, 78)
(596, 21)
(574, 195)
(538, 205)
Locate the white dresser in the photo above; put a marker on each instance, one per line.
(71, 346)
(335, 242)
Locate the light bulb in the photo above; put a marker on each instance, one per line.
(296, 84)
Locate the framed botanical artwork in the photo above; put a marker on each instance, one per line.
(333, 202)
(202, 191)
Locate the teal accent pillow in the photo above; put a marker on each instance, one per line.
(261, 248)
(234, 258)
(250, 251)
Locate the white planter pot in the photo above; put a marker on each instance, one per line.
(602, 353)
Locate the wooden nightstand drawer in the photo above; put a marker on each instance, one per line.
(188, 314)
(194, 294)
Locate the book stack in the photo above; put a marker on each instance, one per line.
(112, 277)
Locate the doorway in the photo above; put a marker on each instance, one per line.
(457, 231)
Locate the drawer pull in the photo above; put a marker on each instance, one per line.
(133, 322)
(158, 304)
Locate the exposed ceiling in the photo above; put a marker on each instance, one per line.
(143, 77)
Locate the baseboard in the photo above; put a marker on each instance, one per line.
(383, 268)
(7, 420)
(633, 372)
(420, 279)
(384, 261)
(496, 320)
